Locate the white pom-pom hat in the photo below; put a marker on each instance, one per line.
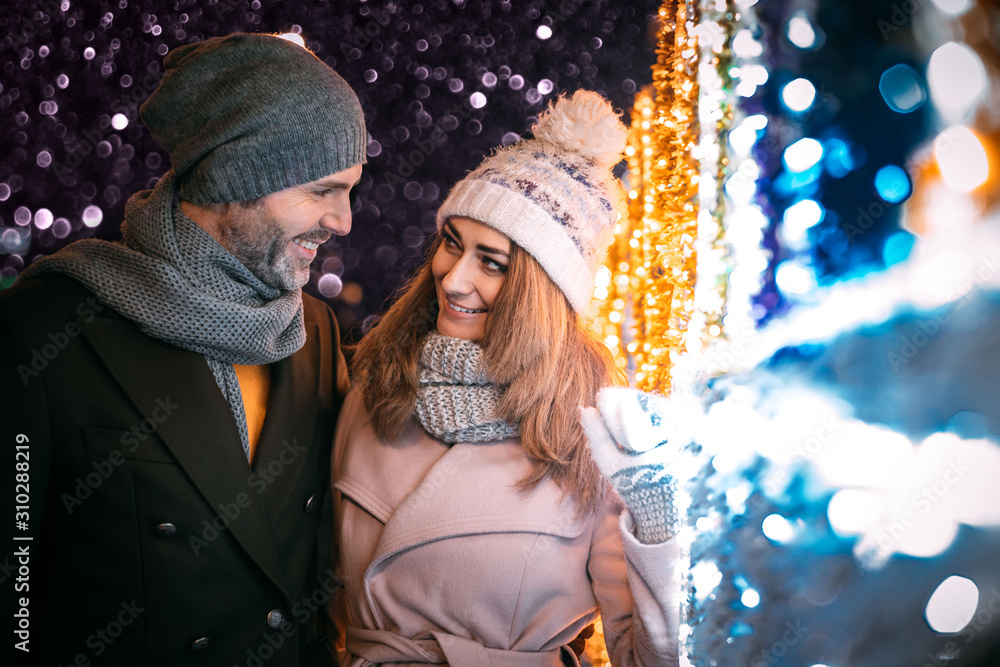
(554, 195)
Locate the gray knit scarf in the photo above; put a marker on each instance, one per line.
(172, 279)
(455, 400)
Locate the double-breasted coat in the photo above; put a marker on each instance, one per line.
(153, 541)
(443, 560)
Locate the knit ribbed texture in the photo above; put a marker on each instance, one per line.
(180, 286)
(648, 491)
(456, 402)
(246, 115)
(554, 195)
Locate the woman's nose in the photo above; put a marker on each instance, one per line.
(458, 279)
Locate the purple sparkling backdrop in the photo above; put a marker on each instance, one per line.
(442, 82)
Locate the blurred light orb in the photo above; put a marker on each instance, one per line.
(705, 576)
(543, 32)
(43, 159)
(509, 138)
(43, 218)
(750, 76)
(897, 248)
(89, 53)
(22, 216)
(745, 46)
(851, 511)
(477, 100)
(797, 220)
(92, 216)
(794, 278)
(750, 598)
(957, 79)
(901, 89)
(953, 7)
(802, 155)
(962, 159)
(545, 86)
(777, 529)
(292, 37)
(119, 121)
(892, 184)
(62, 80)
(61, 228)
(330, 285)
(800, 31)
(516, 82)
(798, 95)
(952, 605)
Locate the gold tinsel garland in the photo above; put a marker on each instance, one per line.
(651, 270)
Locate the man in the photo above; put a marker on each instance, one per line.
(168, 402)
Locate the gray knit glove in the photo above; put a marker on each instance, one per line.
(634, 436)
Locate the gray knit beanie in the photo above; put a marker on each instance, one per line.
(246, 115)
(554, 195)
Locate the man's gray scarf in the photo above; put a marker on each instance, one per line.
(455, 400)
(178, 285)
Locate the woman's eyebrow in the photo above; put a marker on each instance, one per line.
(492, 251)
(483, 248)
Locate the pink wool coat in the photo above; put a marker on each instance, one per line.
(443, 561)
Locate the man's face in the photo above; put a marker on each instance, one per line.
(277, 236)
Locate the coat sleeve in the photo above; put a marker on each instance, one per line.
(638, 591)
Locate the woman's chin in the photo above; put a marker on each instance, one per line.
(469, 330)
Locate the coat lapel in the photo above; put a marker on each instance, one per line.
(203, 436)
(470, 490)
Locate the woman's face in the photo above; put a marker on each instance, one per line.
(469, 268)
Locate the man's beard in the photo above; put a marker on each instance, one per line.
(257, 240)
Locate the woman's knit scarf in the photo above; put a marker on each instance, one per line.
(178, 285)
(455, 400)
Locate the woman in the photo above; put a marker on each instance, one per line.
(473, 525)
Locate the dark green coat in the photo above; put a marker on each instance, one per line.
(154, 541)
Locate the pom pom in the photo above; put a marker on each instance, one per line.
(585, 124)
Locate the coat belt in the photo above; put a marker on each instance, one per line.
(382, 646)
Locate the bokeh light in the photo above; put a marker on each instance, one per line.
(952, 604)
(953, 7)
(293, 37)
(802, 155)
(798, 95)
(957, 79)
(962, 159)
(800, 30)
(901, 89)
(892, 184)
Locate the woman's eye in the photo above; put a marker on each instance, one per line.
(494, 265)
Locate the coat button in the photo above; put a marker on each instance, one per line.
(200, 644)
(165, 529)
(275, 618)
(311, 503)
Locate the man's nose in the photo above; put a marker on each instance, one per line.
(338, 218)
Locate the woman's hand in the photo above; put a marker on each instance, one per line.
(634, 436)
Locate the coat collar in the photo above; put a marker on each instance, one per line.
(207, 447)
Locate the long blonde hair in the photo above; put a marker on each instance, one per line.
(534, 344)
